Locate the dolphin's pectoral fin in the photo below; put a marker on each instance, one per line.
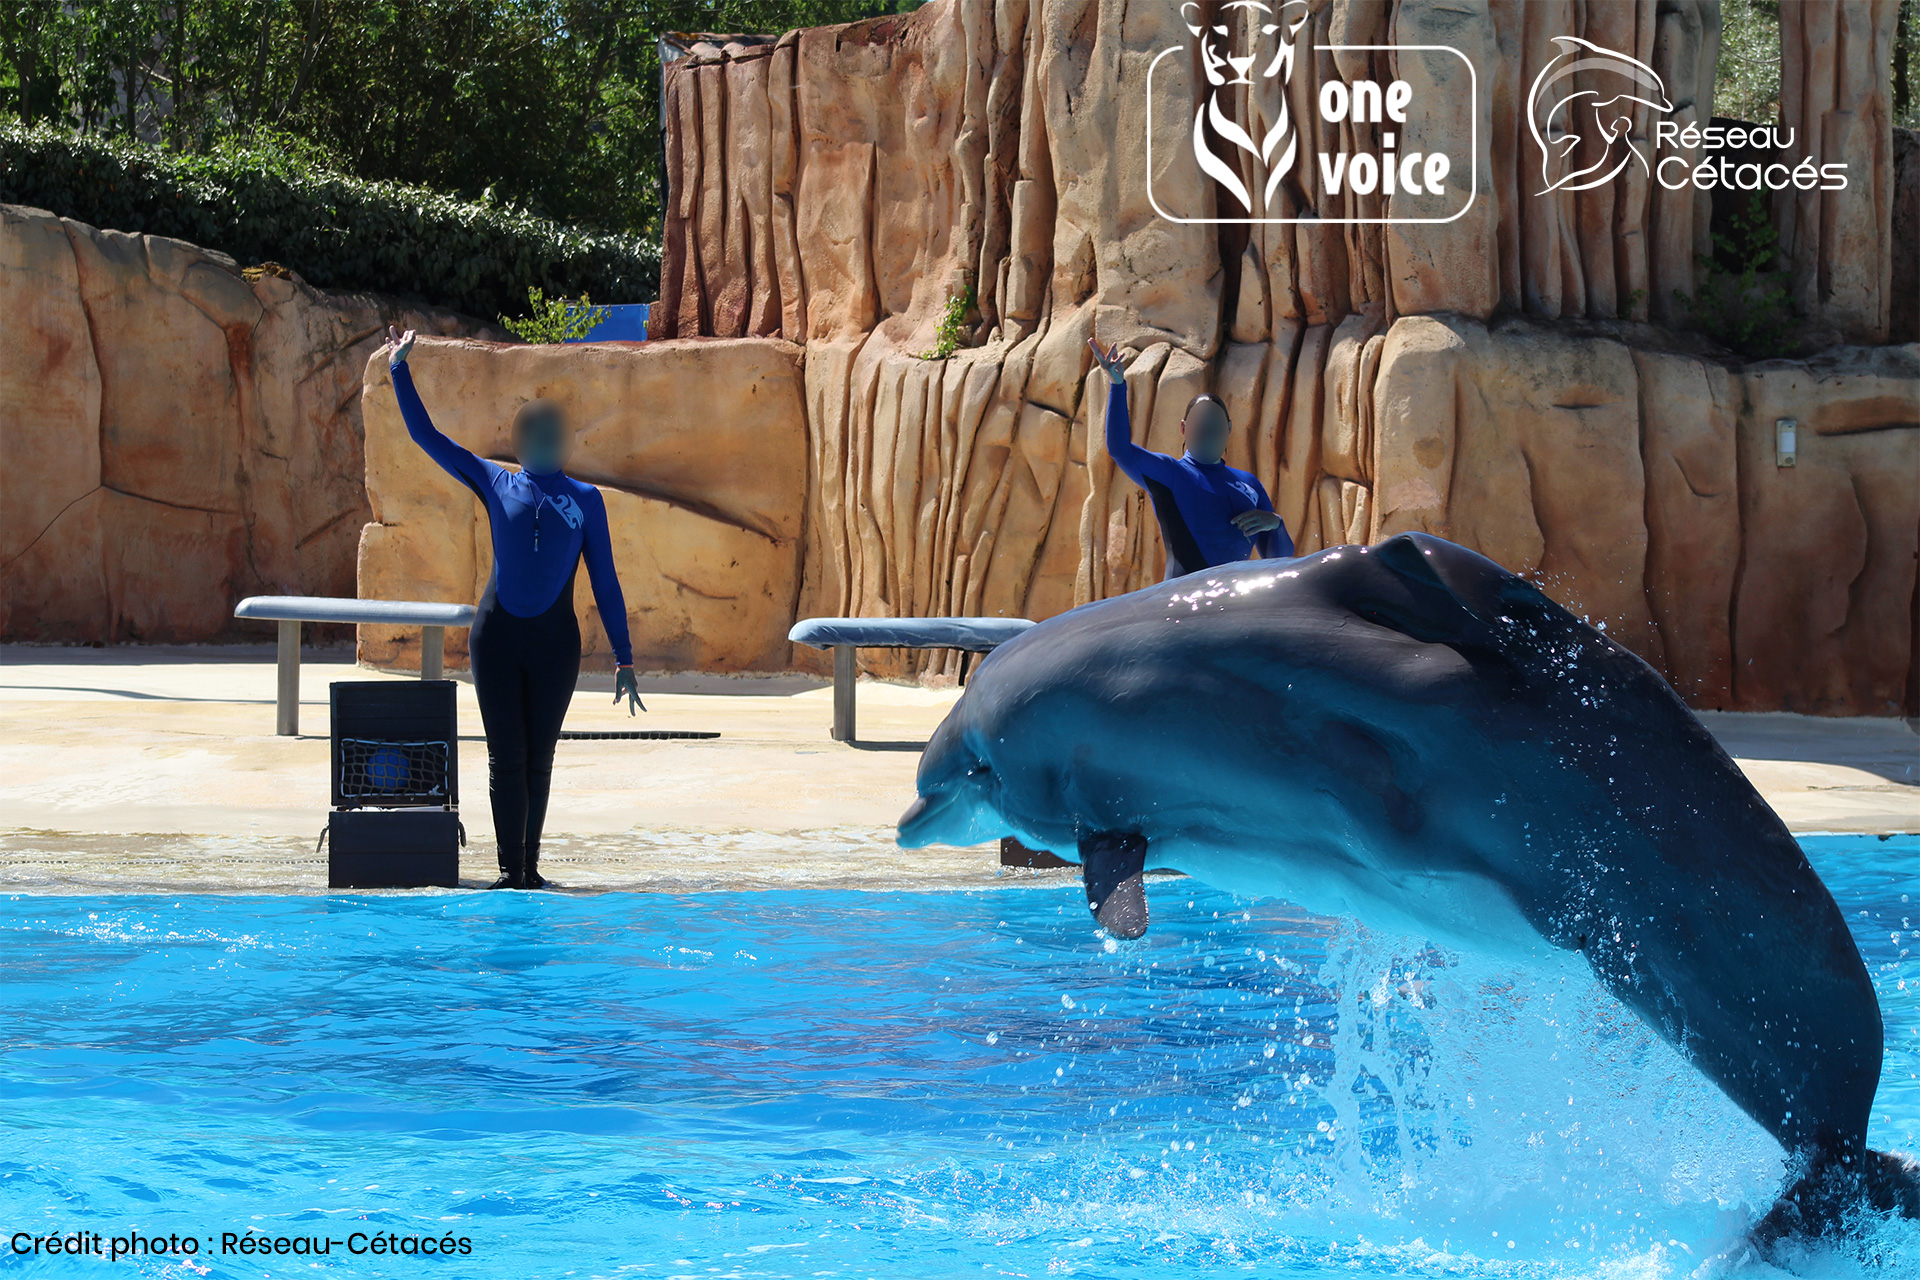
(1113, 863)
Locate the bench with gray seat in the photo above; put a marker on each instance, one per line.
(847, 635)
(290, 612)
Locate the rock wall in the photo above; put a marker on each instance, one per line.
(1500, 379)
(177, 436)
(699, 448)
(1836, 62)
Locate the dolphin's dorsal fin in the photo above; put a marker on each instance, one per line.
(1412, 598)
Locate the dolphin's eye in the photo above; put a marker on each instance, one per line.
(981, 769)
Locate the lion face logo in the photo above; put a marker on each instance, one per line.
(1218, 57)
(1585, 134)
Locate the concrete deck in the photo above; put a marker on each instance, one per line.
(142, 769)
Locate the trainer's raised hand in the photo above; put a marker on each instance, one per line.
(1110, 360)
(399, 344)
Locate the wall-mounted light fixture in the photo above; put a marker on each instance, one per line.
(1786, 442)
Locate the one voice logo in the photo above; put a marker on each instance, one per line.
(1580, 112)
(1251, 172)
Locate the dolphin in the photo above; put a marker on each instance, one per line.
(1412, 735)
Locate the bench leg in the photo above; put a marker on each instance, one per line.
(844, 672)
(287, 703)
(433, 651)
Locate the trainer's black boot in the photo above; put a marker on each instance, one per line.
(512, 873)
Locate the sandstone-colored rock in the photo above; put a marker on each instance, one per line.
(1367, 388)
(699, 448)
(183, 437)
(1834, 94)
(1639, 488)
(51, 581)
(1688, 453)
(1451, 266)
(1823, 619)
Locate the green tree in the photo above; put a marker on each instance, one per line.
(548, 105)
(1747, 78)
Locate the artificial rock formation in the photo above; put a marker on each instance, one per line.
(178, 436)
(699, 449)
(1498, 378)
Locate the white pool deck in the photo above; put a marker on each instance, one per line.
(157, 769)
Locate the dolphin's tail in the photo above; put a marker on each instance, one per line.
(1885, 1182)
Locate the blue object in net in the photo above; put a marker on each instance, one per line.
(387, 769)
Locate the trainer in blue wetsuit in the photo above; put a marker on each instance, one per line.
(524, 647)
(1210, 513)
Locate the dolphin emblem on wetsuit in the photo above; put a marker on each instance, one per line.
(1427, 742)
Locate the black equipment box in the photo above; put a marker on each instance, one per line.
(393, 849)
(395, 744)
(396, 785)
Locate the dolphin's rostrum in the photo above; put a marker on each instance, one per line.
(1412, 735)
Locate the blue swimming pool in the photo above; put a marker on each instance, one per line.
(874, 1084)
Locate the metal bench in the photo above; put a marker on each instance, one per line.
(845, 635)
(290, 611)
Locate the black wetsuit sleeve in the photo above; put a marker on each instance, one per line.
(459, 463)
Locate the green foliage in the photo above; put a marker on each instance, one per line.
(550, 105)
(261, 203)
(1906, 65)
(1746, 82)
(953, 325)
(1743, 305)
(555, 319)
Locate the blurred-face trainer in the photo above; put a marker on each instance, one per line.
(524, 645)
(542, 437)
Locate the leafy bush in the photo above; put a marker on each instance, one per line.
(555, 319)
(953, 325)
(1740, 300)
(261, 203)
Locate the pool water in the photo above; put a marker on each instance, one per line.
(878, 1084)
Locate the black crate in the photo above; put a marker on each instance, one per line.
(395, 744)
(393, 849)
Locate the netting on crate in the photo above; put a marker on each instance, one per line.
(393, 773)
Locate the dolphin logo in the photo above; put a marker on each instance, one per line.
(1556, 116)
(1218, 58)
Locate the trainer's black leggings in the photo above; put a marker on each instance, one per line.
(524, 670)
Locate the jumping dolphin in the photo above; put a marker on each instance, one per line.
(1412, 735)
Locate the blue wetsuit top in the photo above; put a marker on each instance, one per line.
(1195, 501)
(533, 558)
